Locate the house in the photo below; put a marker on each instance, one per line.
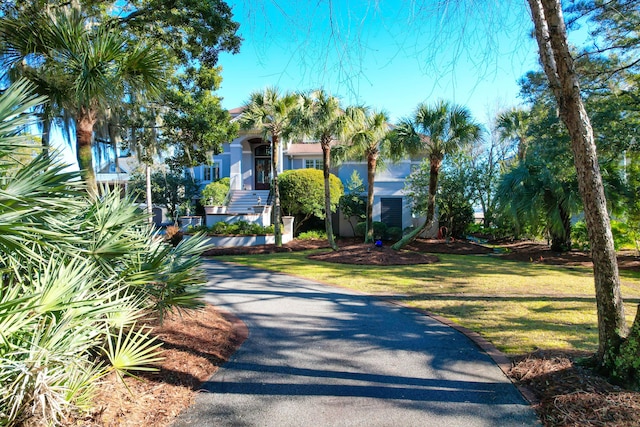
(247, 162)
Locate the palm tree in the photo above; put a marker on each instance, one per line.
(366, 132)
(437, 131)
(533, 194)
(273, 114)
(324, 120)
(78, 274)
(93, 67)
(513, 126)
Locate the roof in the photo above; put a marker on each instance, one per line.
(302, 149)
(235, 111)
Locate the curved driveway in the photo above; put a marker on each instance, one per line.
(324, 356)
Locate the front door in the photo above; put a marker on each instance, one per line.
(263, 173)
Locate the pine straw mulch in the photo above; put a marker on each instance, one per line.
(563, 393)
(541, 254)
(567, 394)
(195, 344)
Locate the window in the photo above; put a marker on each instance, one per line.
(211, 172)
(313, 164)
(263, 151)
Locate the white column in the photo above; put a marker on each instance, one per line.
(236, 164)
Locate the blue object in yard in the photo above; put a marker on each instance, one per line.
(378, 243)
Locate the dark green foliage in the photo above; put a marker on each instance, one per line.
(195, 122)
(241, 228)
(394, 233)
(379, 229)
(353, 204)
(624, 236)
(302, 193)
(312, 234)
(168, 189)
(215, 193)
(454, 206)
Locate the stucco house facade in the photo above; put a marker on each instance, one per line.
(246, 161)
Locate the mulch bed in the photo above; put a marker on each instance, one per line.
(568, 394)
(541, 254)
(195, 344)
(368, 254)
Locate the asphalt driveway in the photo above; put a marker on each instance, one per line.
(324, 356)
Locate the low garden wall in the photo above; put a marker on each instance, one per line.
(261, 219)
(254, 240)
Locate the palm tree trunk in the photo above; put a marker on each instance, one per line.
(328, 222)
(434, 169)
(147, 187)
(372, 160)
(46, 130)
(275, 149)
(563, 80)
(84, 137)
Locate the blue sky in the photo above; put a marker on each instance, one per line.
(389, 55)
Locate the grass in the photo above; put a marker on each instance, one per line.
(518, 306)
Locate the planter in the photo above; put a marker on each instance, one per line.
(210, 210)
(287, 222)
(260, 208)
(231, 241)
(189, 221)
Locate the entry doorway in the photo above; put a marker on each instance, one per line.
(262, 170)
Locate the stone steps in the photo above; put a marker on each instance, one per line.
(243, 201)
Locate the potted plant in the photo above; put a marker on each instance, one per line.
(214, 196)
(185, 219)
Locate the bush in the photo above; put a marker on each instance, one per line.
(580, 237)
(623, 235)
(394, 233)
(82, 272)
(379, 229)
(302, 194)
(240, 228)
(313, 234)
(215, 193)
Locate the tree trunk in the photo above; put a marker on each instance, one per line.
(275, 149)
(326, 165)
(46, 130)
(563, 80)
(372, 160)
(85, 121)
(148, 198)
(434, 169)
(561, 242)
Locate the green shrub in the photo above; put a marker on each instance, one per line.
(240, 228)
(394, 233)
(379, 229)
(313, 234)
(623, 235)
(579, 236)
(302, 194)
(215, 193)
(82, 272)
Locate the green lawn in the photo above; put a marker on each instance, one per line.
(517, 306)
